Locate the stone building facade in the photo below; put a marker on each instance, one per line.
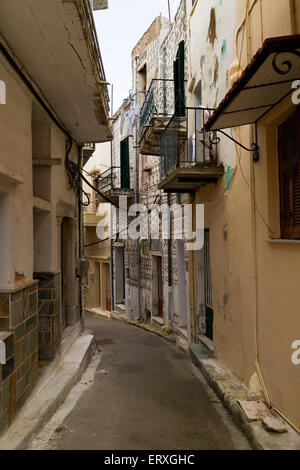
(242, 291)
(163, 281)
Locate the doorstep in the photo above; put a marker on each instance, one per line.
(98, 312)
(207, 343)
(184, 333)
(158, 320)
(49, 393)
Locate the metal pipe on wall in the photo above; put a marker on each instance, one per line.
(80, 241)
(111, 215)
(136, 199)
(170, 266)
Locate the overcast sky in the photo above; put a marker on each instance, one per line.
(119, 29)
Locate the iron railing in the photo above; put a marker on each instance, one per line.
(159, 101)
(109, 179)
(113, 178)
(184, 144)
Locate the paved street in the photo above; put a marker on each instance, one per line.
(149, 397)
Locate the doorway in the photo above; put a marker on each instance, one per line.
(120, 275)
(209, 313)
(69, 299)
(160, 290)
(182, 285)
(97, 286)
(157, 288)
(64, 238)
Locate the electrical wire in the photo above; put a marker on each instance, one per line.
(156, 203)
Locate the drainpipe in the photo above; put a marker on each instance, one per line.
(136, 199)
(169, 265)
(81, 240)
(254, 248)
(293, 17)
(111, 217)
(164, 61)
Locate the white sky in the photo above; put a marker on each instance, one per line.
(119, 29)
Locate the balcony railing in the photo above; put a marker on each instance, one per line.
(113, 178)
(159, 102)
(184, 145)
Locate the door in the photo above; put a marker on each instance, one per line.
(125, 170)
(97, 285)
(160, 290)
(209, 313)
(120, 274)
(63, 252)
(108, 290)
(182, 284)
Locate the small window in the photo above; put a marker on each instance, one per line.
(156, 245)
(289, 177)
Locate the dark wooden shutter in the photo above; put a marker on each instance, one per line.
(179, 83)
(125, 173)
(289, 176)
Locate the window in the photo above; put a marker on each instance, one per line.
(289, 177)
(156, 245)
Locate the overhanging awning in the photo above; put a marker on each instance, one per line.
(265, 82)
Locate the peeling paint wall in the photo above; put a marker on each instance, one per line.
(212, 52)
(254, 282)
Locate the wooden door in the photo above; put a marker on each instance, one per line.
(108, 290)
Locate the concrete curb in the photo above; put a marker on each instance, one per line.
(171, 337)
(48, 395)
(227, 386)
(230, 388)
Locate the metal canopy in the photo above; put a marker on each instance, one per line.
(265, 82)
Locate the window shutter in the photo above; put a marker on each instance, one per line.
(179, 84)
(125, 170)
(289, 177)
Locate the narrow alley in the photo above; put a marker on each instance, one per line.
(136, 405)
(149, 226)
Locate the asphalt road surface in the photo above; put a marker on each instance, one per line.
(146, 394)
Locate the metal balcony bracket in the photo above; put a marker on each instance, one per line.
(284, 67)
(214, 140)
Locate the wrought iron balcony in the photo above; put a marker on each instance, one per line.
(188, 155)
(156, 112)
(114, 182)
